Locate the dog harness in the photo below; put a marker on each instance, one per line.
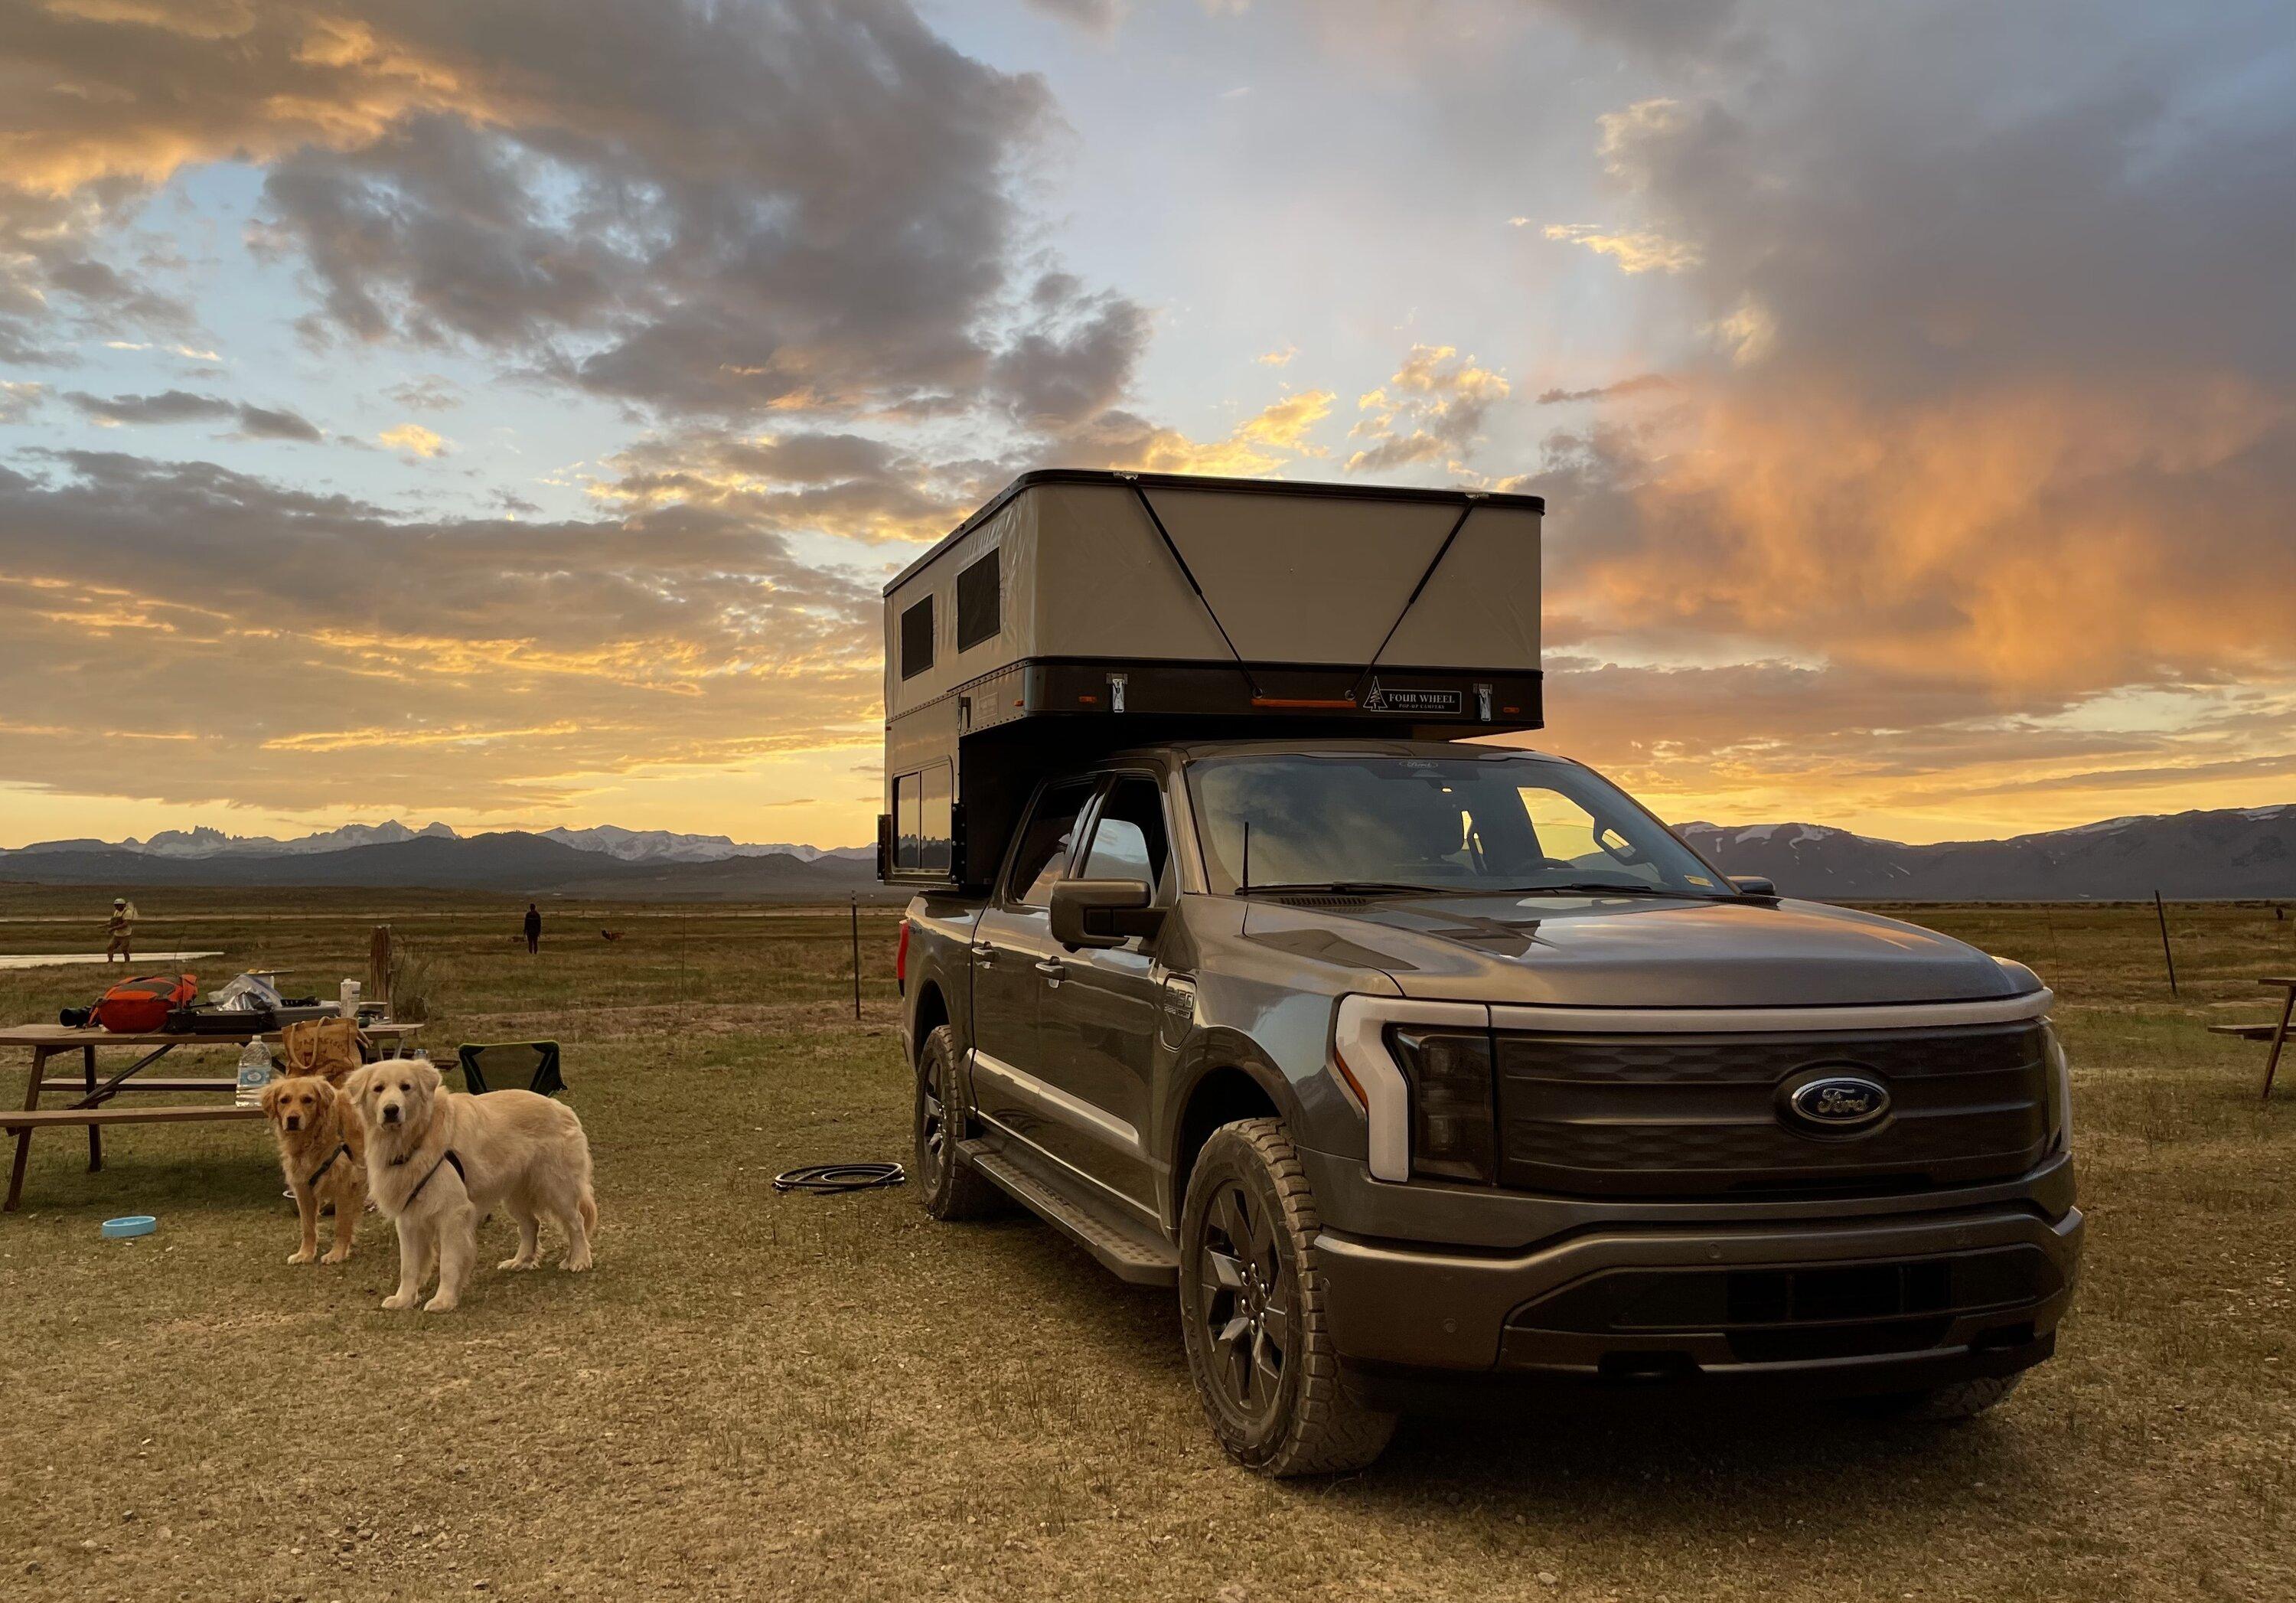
(341, 1151)
(449, 1158)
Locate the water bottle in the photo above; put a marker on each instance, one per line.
(254, 1074)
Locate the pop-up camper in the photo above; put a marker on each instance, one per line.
(1085, 611)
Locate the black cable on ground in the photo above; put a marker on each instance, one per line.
(841, 1177)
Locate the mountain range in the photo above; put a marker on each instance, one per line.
(627, 845)
(2228, 853)
(2192, 856)
(604, 862)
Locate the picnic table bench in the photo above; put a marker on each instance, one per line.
(90, 1109)
(2277, 1034)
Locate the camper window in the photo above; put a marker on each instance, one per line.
(979, 603)
(908, 821)
(917, 638)
(921, 830)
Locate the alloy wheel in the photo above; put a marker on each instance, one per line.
(933, 1124)
(1246, 1303)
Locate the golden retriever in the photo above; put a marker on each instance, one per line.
(437, 1161)
(323, 1152)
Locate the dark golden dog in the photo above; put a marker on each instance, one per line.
(323, 1152)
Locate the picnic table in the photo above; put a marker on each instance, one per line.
(57, 1040)
(2277, 1034)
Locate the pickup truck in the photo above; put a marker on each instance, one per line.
(1408, 1063)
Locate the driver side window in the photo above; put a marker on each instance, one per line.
(1045, 844)
(1129, 843)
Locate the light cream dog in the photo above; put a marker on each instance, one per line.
(437, 1161)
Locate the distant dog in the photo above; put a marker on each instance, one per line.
(437, 1161)
(323, 1152)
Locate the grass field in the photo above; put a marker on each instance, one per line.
(806, 1397)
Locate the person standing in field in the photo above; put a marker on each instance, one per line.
(533, 928)
(122, 931)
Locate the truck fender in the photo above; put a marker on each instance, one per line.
(1207, 1052)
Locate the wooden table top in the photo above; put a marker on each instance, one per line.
(62, 1035)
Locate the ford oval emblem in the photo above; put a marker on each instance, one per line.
(1838, 1104)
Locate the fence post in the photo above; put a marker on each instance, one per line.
(856, 954)
(2169, 956)
(378, 968)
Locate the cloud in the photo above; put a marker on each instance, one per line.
(265, 422)
(428, 393)
(1642, 383)
(1098, 17)
(1254, 447)
(1285, 424)
(1961, 418)
(183, 405)
(1640, 251)
(486, 662)
(848, 485)
(703, 208)
(18, 397)
(1073, 360)
(1277, 359)
(412, 440)
(1434, 414)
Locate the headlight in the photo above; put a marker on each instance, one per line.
(2061, 1091)
(1453, 1130)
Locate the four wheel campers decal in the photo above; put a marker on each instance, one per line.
(1397, 699)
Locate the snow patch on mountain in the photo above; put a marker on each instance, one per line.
(665, 846)
(624, 845)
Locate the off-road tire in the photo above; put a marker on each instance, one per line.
(950, 1187)
(1305, 1421)
(1964, 1399)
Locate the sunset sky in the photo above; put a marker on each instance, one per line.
(506, 411)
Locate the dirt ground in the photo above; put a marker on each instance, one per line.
(775, 1397)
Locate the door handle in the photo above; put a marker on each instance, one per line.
(983, 952)
(1053, 970)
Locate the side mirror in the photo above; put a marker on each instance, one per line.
(1103, 912)
(1754, 884)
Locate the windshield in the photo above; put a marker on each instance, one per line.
(1515, 824)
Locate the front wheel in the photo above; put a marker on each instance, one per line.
(950, 1187)
(1252, 1310)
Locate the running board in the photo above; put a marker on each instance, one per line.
(1128, 1251)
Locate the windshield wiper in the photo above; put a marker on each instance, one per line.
(1346, 887)
(1600, 887)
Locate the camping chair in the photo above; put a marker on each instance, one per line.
(508, 1057)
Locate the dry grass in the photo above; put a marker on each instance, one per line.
(775, 1397)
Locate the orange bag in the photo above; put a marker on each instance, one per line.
(140, 1007)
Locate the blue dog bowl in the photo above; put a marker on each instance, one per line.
(132, 1224)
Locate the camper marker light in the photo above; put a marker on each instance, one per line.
(901, 960)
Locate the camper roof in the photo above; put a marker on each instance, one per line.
(1302, 489)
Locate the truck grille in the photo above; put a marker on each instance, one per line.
(1676, 1115)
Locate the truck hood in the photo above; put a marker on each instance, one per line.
(1597, 951)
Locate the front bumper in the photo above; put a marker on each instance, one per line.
(1844, 1306)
